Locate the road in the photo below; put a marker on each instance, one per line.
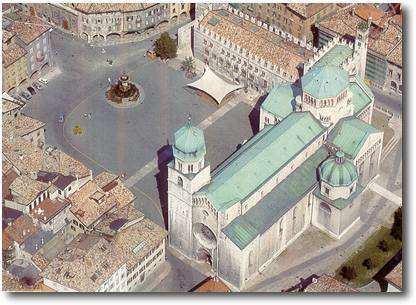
(390, 102)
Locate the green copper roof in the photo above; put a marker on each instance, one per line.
(244, 229)
(280, 101)
(189, 143)
(349, 134)
(362, 95)
(335, 56)
(325, 81)
(338, 171)
(257, 160)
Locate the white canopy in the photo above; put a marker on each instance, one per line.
(214, 85)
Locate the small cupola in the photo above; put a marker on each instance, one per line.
(338, 176)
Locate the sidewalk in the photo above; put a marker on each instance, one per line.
(154, 279)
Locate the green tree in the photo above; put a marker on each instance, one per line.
(383, 246)
(396, 230)
(188, 65)
(368, 263)
(165, 46)
(348, 272)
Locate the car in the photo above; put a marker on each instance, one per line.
(43, 81)
(31, 90)
(25, 95)
(61, 118)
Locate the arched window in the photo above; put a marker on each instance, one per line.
(180, 181)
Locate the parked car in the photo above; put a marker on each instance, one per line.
(37, 85)
(25, 95)
(43, 81)
(31, 90)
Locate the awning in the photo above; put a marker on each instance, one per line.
(214, 85)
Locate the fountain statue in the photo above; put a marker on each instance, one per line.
(124, 93)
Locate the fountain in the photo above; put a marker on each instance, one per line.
(125, 93)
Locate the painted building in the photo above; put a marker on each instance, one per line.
(33, 35)
(242, 215)
(384, 52)
(60, 15)
(14, 62)
(247, 51)
(96, 22)
(122, 252)
(294, 18)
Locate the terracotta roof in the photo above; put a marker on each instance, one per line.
(6, 35)
(12, 53)
(395, 277)
(26, 157)
(26, 189)
(364, 11)
(9, 105)
(382, 42)
(39, 260)
(397, 20)
(48, 209)
(21, 125)
(89, 260)
(26, 27)
(111, 183)
(261, 42)
(211, 284)
(90, 203)
(96, 8)
(21, 229)
(326, 283)
(307, 9)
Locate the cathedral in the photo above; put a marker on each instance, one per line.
(313, 157)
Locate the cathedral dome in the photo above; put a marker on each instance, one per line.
(189, 143)
(325, 81)
(337, 171)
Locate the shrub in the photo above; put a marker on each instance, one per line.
(383, 246)
(396, 230)
(368, 263)
(348, 273)
(165, 47)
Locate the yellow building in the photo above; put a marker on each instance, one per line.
(14, 62)
(179, 10)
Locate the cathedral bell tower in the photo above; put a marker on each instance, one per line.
(187, 173)
(361, 46)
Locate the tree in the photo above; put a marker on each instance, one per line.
(383, 246)
(396, 230)
(368, 263)
(188, 65)
(165, 47)
(348, 272)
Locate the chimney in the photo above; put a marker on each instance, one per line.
(353, 12)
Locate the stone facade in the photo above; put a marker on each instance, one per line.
(288, 18)
(238, 61)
